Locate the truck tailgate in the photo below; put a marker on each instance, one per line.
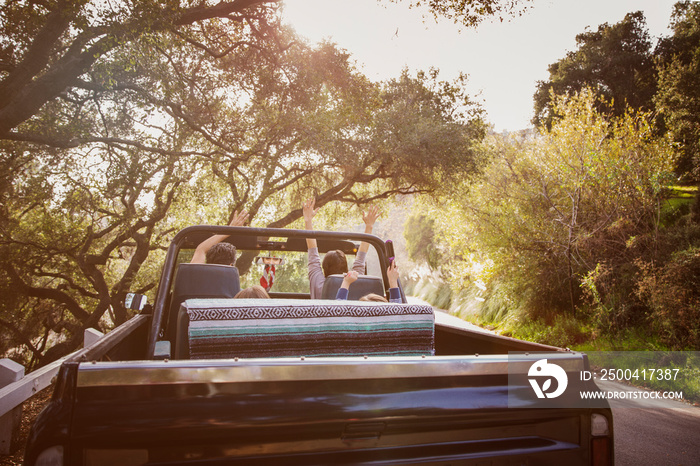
(432, 410)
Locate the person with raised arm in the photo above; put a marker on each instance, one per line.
(334, 262)
(214, 251)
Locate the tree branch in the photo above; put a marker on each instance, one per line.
(221, 10)
(46, 293)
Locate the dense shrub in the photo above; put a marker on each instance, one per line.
(672, 293)
(551, 206)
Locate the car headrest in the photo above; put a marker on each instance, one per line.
(365, 284)
(200, 281)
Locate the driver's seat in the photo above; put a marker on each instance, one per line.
(197, 281)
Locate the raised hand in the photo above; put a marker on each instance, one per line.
(370, 217)
(239, 218)
(349, 278)
(309, 210)
(393, 274)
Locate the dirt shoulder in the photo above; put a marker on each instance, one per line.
(30, 409)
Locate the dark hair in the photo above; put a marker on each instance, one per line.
(255, 291)
(222, 253)
(334, 262)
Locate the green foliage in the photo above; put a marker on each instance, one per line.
(649, 289)
(421, 243)
(164, 127)
(672, 292)
(548, 208)
(618, 63)
(573, 198)
(71, 250)
(426, 129)
(564, 331)
(615, 61)
(678, 99)
(472, 12)
(316, 126)
(609, 297)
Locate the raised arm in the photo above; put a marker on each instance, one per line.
(344, 289)
(309, 210)
(200, 254)
(393, 274)
(369, 217)
(316, 276)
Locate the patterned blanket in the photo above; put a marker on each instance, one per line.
(255, 328)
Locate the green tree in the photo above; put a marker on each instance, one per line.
(615, 61)
(549, 208)
(47, 48)
(421, 243)
(323, 128)
(678, 98)
(77, 236)
(163, 126)
(471, 12)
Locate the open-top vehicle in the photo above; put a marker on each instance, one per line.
(202, 378)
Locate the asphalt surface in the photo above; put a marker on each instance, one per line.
(654, 433)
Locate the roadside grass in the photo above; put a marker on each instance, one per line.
(678, 203)
(683, 191)
(429, 286)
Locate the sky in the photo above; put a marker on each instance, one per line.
(504, 60)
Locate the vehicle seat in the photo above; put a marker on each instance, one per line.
(197, 281)
(364, 285)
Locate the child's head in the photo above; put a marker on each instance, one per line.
(221, 253)
(334, 262)
(374, 297)
(255, 292)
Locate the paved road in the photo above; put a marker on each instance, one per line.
(667, 433)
